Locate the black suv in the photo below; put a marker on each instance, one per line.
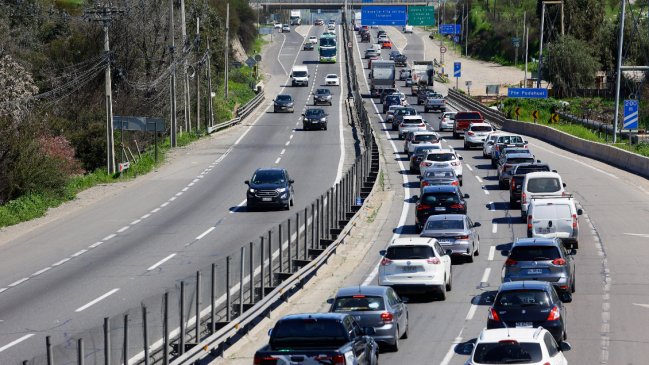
(270, 187)
(385, 92)
(283, 103)
(314, 119)
(438, 199)
(322, 96)
(389, 101)
(518, 176)
(530, 304)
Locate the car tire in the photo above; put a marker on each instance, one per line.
(395, 347)
(455, 135)
(325, 127)
(404, 336)
(493, 163)
(477, 250)
(442, 292)
(572, 286)
(449, 285)
(466, 146)
(461, 182)
(287, 207)
(469, 259)
(501, 184)
(331, 103)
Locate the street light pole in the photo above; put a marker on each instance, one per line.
(619, 72)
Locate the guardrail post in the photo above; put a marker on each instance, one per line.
(145, 336)
(327, 225)
(281, 251)
(297, 234)
(125, 350)
(306, 232)
(241, 271)
(261, 272)
(212, 298)
(48, 349)
(106, 343)
(165, 329)
(181, 335)
(270, 258)
(228, 303)
(320, 204)
(197, 330)
(288, 233)
(313, 207)
(80, 356)
(251, 269)
(335, 215)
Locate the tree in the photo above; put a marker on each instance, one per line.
(584, 18)
(570, 65)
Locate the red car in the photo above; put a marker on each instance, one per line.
(386, 44)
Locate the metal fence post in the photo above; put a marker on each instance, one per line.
(241, 271)
(212, 298)
(306, 231)
(228, 303)
(165, 329)
(288, 233)
(261, 272)
(197, 333)
(181, 335)
(48, 348)
(145, 336)
(251, 269)
(106, 342)
(297, 235)
(125, 351)
(79, 352)
(281, 243)
(270, 258)
(313, 224)
(326, 229)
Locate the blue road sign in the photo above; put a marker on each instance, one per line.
(450, 29)
(384, 15)
(529, 93)
(457, 69)
(630, 114)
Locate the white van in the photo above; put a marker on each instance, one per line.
(552, 216)
(300, 75)
(407, 29)
(540, 183)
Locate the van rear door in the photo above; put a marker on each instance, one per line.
(552, 220)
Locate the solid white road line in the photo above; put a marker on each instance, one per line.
(123, 229)
(110, 236)
(18, 282)
(485, 276)
(494, 228)
(205, 233)
(90, 304)
(154, 266)
(451, 351)
(243, 202)
(577, 161)
(15, 342)
(492, 252)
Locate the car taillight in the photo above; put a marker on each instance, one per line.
(554, 314)
(265, 360)
(426, 164)
(559, 262)
(387, 317)
(510, 262)
(425, 183)
(574, 221)
(423, 207)
(455, 163)
(493, 315)
(470, 133)
(465, 237)
(457, 206)
(523, 198)
(433, 260)
(385, 261)
(422, 125)
(529, 222)
(455, 183)
(512, 186)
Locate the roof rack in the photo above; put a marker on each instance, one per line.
(552, 196)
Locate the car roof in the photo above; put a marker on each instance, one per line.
(445, 217)
(270, 169)
(404, 241)
(323, 315)
(535, 242)
(534, 174)
(526, 284)
(519, 155)
(362, 289)
(322, 89)
(512, 333)
(328, 75)
(440, 189)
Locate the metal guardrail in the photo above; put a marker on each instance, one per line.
(492, 116)
(242, 113)
(341, 2)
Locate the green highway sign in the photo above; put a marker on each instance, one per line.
(421, 15)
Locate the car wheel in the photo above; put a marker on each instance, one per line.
(330, 103)
(325, 127)
(469, 258)
(449, 285)
(477, 250)
(455, 135)
(572, 286)
(460, 182)
(395, 347)
(466, 146)
(493, 163)
(502, 184)
(292, 202)
(442, 292)
(405, 333)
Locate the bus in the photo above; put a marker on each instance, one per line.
(327, 48)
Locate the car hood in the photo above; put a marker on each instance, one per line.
(266, 186)
(283, 102)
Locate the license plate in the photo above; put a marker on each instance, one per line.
(525, 324)
(266, 199)
(440, 165)
(440, 209)
(409, 268)
(445, 241)
(534, 271)
(543, 230)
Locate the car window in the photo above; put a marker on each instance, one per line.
(481, 128)
(283, 98)
(522, 298)
(517, 160)
(314, 112)
(550, 345)
(426, 138)
(527, 169)
(438, 197)
(553, 211)
(445, 224)
(412, 121)
(393, 297)
(409, 252)
(440, 251)
(441, 157)
(323, 92)
(268, 177)
(358, 303)
(507, 353)
(440, 173)
(534, 253)
(306, 329)
(543, 185)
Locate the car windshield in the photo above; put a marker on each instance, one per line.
(406, 111)
(543, 185)
(413, 252)
(522, 298)
(438, 224)
(332, 76)
(507, 353)
(314, 113)
(481, 128)
(521, 170)
(412, 121)
(283, 98)
(358, 303)
(441, 157)
(439, 173)
(392, 99)
(425, 150)
(440, 197)
(323, 92)
(426, 138)
(307, 332)
(299, 73)
(450, 116)
(515, 150)
(534, 253)
(268, 177)
(510, 139)
(471, 115)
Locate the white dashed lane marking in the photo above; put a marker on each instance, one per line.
(205, 233)
(90, 304)
(15, 342)
(154, 266)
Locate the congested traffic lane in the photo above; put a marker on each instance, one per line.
(64, 277)
(439, 326)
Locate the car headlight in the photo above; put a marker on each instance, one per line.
(281, 190)
(252, 191)
(323, 119)
(289, 104)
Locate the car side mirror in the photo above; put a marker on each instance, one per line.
(291, 181)
(291, 75)
(564, 185)
(330, 301)
(565, 297)
(565, 346)
(270, 331)
(488, 299)
(505, 252)
(477, 224)
(302, 114)
(382, 252)
(538, 161)
(555, 171)
(580, 212)
(449, 252)
(405, 299)
(466, 196)
(415, 197)
(369, 331)
(460, 158)
(572, 252)
(247, 182)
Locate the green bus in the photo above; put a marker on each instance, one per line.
(327, 48)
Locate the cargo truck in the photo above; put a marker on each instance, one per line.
(296, 17)
(422, 74)
(382, 76)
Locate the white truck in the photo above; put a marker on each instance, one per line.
(357, 20)
(382, 76)
(296, 17)
(300, 75)
(422, 74)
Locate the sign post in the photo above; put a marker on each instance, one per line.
(457, 73)
(468, 87)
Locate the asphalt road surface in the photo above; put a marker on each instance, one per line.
(62, 278)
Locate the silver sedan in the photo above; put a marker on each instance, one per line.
(455, 232)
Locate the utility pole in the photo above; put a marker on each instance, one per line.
(105, 14)
(209, 89)
(197, 75)
(618, 75)
(527, 40)
(227, 46)
(172, 51)
(538, 72)
(186, 99)
(466, 38)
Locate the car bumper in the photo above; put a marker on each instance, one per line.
(288, 109)
(331, 83)
(386, 334)
(322, 101)
(314, 124)
(475, 141)
(459, 248)
(561, 282)
(554, 327)
(446, 126)
(256, 201)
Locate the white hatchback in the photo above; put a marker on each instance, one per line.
(313, 39)
(416, 265)
(332, 79)
(446, 121)
(518, 345)
(476, 134)
(411, 123)
(444, 158)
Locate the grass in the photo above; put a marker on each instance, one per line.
(382, 181)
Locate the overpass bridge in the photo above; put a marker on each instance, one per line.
(271, 5)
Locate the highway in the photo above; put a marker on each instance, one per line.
(63, 277)
(609, 312)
